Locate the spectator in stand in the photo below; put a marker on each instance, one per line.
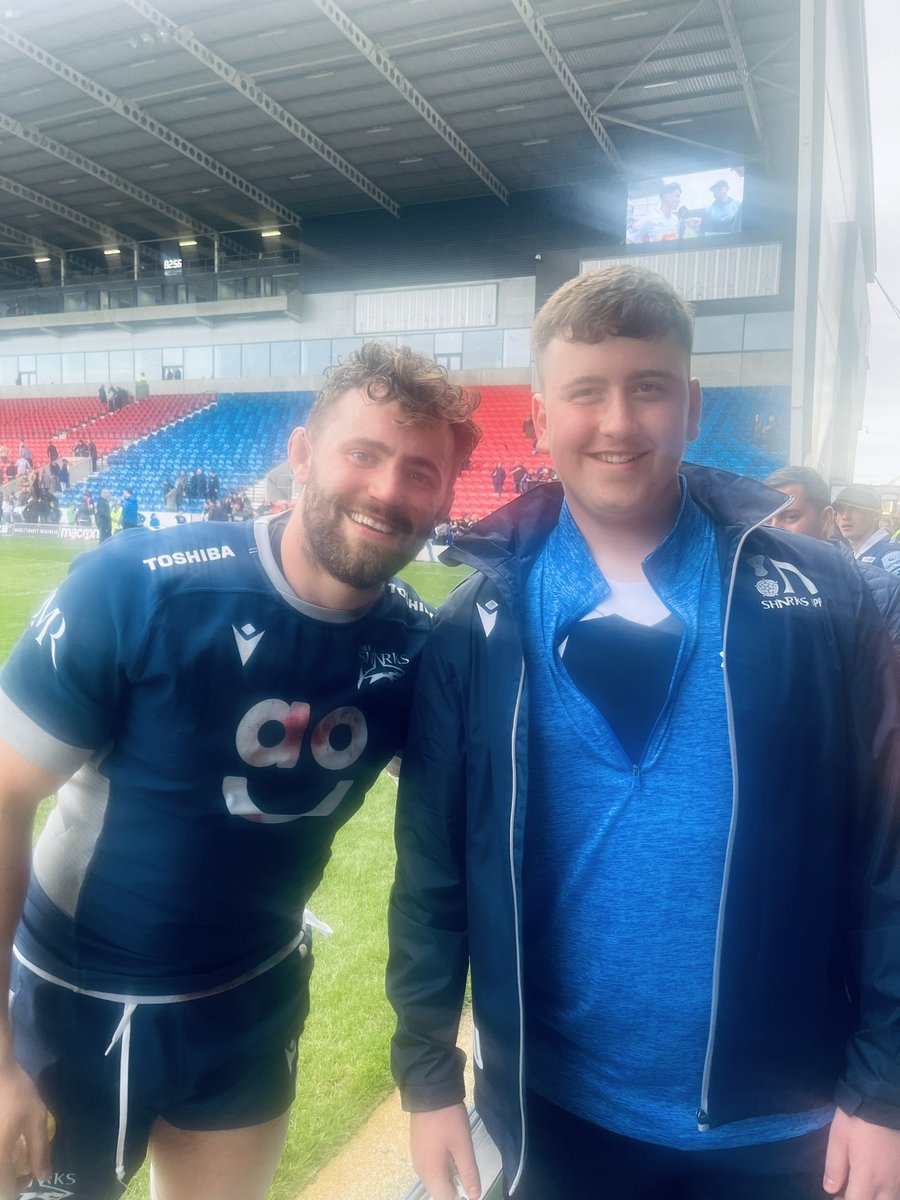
(84, 512)
(215, 512)
(80, 450)
(190, 490)
(92, 453)
(180, 490)
(103, 515)
(54, 476)
(202, 485)
(130, 516)
(810, 513)
(517, 475)
(857, 514)
(25, 453)
(528, 430)
(154, 522)
(4, 457)
(23, 466)
(498, 478)
(166, 488)
(212, 485)
(101, 392)
(52, 453)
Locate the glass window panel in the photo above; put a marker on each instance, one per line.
(198, 362)
(149, 363)
(422, 343)
(516, 348)
(718, 334)
(255, 360)
(230, 289)
(49, 369)
(768, 331)
(341, 348)
(201, 290)
(483, 349)
(285, 359)
(448, 343)
(315, 357)
(121, 298)
(121, 366)
(9, 369)
(227, 362)
(96, 367)
(27, 362)
(147, 296)
(73, 368)
(173, 356)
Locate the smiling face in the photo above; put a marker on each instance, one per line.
(373, 489)
(615, 417)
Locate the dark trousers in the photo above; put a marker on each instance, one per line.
(571, 1159)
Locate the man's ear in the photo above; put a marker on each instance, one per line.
(300, 454)
(695, 408)
(539, 417)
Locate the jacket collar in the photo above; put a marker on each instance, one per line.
(505, 545)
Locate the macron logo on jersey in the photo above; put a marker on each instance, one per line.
(181, 558)
(488, 616)
(247, 639)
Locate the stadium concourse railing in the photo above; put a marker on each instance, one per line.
(486, 1155)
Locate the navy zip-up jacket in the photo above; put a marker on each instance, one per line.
(805, 1002)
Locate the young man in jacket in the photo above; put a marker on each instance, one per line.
(212, 703)
(647, 799)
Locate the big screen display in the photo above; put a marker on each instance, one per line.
(674, 208)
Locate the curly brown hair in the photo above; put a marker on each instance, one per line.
(419, 386)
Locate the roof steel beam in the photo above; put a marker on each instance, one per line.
(382, 62)
(41, 244)
(69, 214)
(538, 30)
(653, 49)
(132, 112)
(34, 137)
(255, 94)
(743, 70)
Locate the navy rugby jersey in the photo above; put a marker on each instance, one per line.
(217, 730)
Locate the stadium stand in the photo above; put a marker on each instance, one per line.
(36, 421)
(242, 436)
(733, 430)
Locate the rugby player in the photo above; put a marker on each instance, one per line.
(212, 703)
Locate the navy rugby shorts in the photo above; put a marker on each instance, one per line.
(221, 1062)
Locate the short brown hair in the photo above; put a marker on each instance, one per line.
(620, 301)
(814, 486)
(421, 388)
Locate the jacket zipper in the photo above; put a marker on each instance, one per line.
(514, 797)
(703, 1123)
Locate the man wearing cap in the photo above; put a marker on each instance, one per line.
(857, 513)
(722, 214)
(810, 513)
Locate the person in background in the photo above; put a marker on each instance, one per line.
(857, 514)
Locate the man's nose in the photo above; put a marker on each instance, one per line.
(618, 416)
(387, 484)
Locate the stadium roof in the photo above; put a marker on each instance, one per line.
(124, 122)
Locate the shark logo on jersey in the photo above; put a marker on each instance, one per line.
(376, 665)
(48, 1189)
(247, 639)
(784, 595)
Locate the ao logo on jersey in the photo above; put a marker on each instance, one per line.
(284, 753)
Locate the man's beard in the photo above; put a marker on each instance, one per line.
(361, 565)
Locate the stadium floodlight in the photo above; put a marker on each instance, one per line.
(267, 233)
(111, 253)
(43, 258)
(187, 242)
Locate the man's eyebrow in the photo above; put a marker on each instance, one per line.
(366, 443)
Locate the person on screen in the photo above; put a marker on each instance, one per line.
(663, 224)
(723, 215)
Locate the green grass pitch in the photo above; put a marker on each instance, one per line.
(343, 1059)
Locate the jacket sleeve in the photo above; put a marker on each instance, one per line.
(427, 920)
(871, 1085)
